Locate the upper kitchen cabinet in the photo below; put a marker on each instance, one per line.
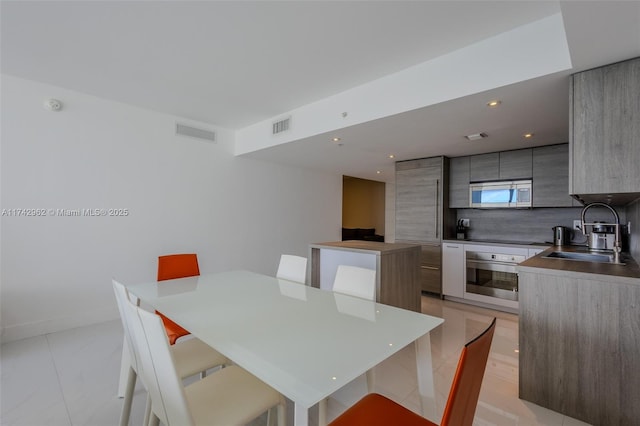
(484, 167)
(503, 165)
(459, 182)
(420, 199)
(604, 133)
(551, 177)
(516, 164)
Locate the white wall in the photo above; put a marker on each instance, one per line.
(182, 194)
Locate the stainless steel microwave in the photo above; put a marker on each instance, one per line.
(502, 194)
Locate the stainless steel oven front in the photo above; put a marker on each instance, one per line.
(492, 277)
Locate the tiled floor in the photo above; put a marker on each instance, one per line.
(71, 377)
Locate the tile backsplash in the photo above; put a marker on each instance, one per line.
(534, 225)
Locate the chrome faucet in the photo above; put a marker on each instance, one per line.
(617, 241)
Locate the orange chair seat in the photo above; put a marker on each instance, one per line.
(377, 410)
(174, 331)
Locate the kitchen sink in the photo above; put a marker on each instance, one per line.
(584, 257)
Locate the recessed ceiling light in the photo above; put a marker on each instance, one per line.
(378, 171)
(392, 156)
(527, 135)
(336, 139)
(476, 136)
(494, 103)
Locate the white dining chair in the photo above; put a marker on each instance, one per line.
(230, 396)
(358, 282)
(192, 355)
(292, 268)
(355, 281)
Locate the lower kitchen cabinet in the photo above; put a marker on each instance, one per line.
(430, 269)
(578, 339)
(469, 276)
(453, 269)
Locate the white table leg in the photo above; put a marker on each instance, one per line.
(426, 386)
(322, 412)
(300, 416)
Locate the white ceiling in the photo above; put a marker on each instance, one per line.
(233, 64)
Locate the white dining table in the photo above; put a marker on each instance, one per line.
(304, 342)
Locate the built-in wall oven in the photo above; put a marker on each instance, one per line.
(491, 276)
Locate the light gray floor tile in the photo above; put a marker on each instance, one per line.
(30, 391)
(71, 377)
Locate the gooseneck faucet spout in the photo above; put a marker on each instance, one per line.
(617, 242)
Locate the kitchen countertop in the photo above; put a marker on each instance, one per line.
(364, 246)
(522, 244)
(628, 273)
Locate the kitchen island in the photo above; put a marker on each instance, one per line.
(397, 268)
(579, 338)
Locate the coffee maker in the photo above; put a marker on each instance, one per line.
(602, 236)
(461, 230)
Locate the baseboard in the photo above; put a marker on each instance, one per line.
(40, 328)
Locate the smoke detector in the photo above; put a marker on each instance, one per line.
(53, 105)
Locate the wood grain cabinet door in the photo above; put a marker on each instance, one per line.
(418, 200)
(516, 164)
(484, 167)
(551, 177)
(459, 183)
(605, 129)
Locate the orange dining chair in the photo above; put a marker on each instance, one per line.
(170, 267)
(377, 410)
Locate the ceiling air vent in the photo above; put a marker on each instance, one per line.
(280, 126)
(193, 132)
(476, 136)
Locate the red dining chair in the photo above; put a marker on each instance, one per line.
(170, 267)
(377, 410)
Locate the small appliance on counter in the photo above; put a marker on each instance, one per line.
(602, 236)
(561, 235)
(461, 230)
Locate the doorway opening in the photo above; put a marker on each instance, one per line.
(363, 209)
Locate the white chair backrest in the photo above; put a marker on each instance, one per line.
(168, 402)
(169, 388)
(146, 370)
(355, 281)
(292, 268)
(122, 298)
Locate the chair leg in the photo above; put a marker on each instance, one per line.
(154, 420)
(128, 398)
(147, 412)
(125, 363)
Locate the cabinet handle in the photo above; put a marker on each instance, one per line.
(435, 268)
(437, 205)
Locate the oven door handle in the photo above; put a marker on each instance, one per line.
(492, 265)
